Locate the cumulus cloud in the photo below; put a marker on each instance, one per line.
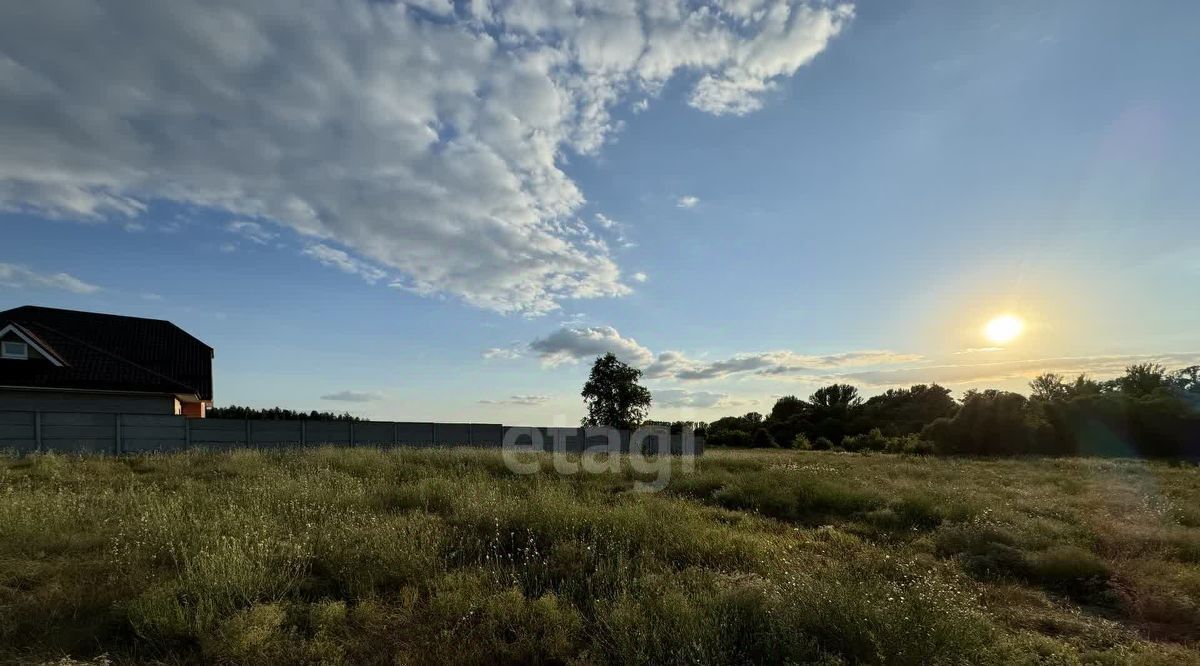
(572, 344)
(16, 276)
(518, 400)
(687, 201)
(354, 396)
(639, 277)
(426, 138)
(780, 364)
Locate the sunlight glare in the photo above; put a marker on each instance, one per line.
(1004, 328)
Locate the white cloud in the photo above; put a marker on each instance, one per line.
(151, 296)
(781, 364)
(639, 277)
(428, 142)
(331, 256)
(354, 396)
(572, 344)
(503, 353)
(687, 201)
(16, 276)
(683, 398)
(251, 231)
(518, 400)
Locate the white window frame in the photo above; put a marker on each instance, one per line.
(14, 350)
(29, 344)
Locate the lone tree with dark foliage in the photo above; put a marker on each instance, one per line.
(613, 396)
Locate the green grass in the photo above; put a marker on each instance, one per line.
(360, 556)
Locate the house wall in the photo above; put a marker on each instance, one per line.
(81, 401)
(194, 410)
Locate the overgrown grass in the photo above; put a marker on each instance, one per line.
(362, 556)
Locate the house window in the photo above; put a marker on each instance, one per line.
(17, 350)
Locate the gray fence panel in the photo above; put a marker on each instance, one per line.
(601, 441)
(523, 436)
(77, 419)
(414, 434)
(452, 434)
(374, 433)
(275, 433)
(98, 432)
(217, 433)
(152, 421)
(490, 435)
(328, 432)
(141, 432)
(16, 418)
(571, 439)
(18, 431)
(148, 445)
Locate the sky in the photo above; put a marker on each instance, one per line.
(445, 210)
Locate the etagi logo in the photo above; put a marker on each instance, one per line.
(651, 452)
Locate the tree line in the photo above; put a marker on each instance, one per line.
(1147, 412)
(276, 414)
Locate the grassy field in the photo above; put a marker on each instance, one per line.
(360, 556)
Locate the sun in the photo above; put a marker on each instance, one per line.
(1004, 328)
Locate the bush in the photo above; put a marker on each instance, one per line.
(872, 440)
(989, 423)
(764, 440)
(731, 438)
(822, 444)
(800, 442)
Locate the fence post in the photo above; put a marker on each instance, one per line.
(433, 433)
(303, 432)
(247, 433)
(117, 433)
(187, 433)
(352, 433)
(37, 431)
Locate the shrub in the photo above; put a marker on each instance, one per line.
(822, 444)
(764, 440)
(989, 423)
(800, 442)
(872, 440)
(731, 438)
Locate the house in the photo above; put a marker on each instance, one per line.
(68, 361)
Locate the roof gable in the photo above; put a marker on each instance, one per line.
(111, 352)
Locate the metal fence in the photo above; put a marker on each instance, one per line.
(84, 432)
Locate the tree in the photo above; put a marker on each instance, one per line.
(763, 440)
(613, 396)
(835, 396)
(905, 411)
(832, 410)
(1142, 379)
(1049, 387)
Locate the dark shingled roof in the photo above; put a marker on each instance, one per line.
(109, 352)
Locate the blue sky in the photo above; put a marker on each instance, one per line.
(444, 211)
